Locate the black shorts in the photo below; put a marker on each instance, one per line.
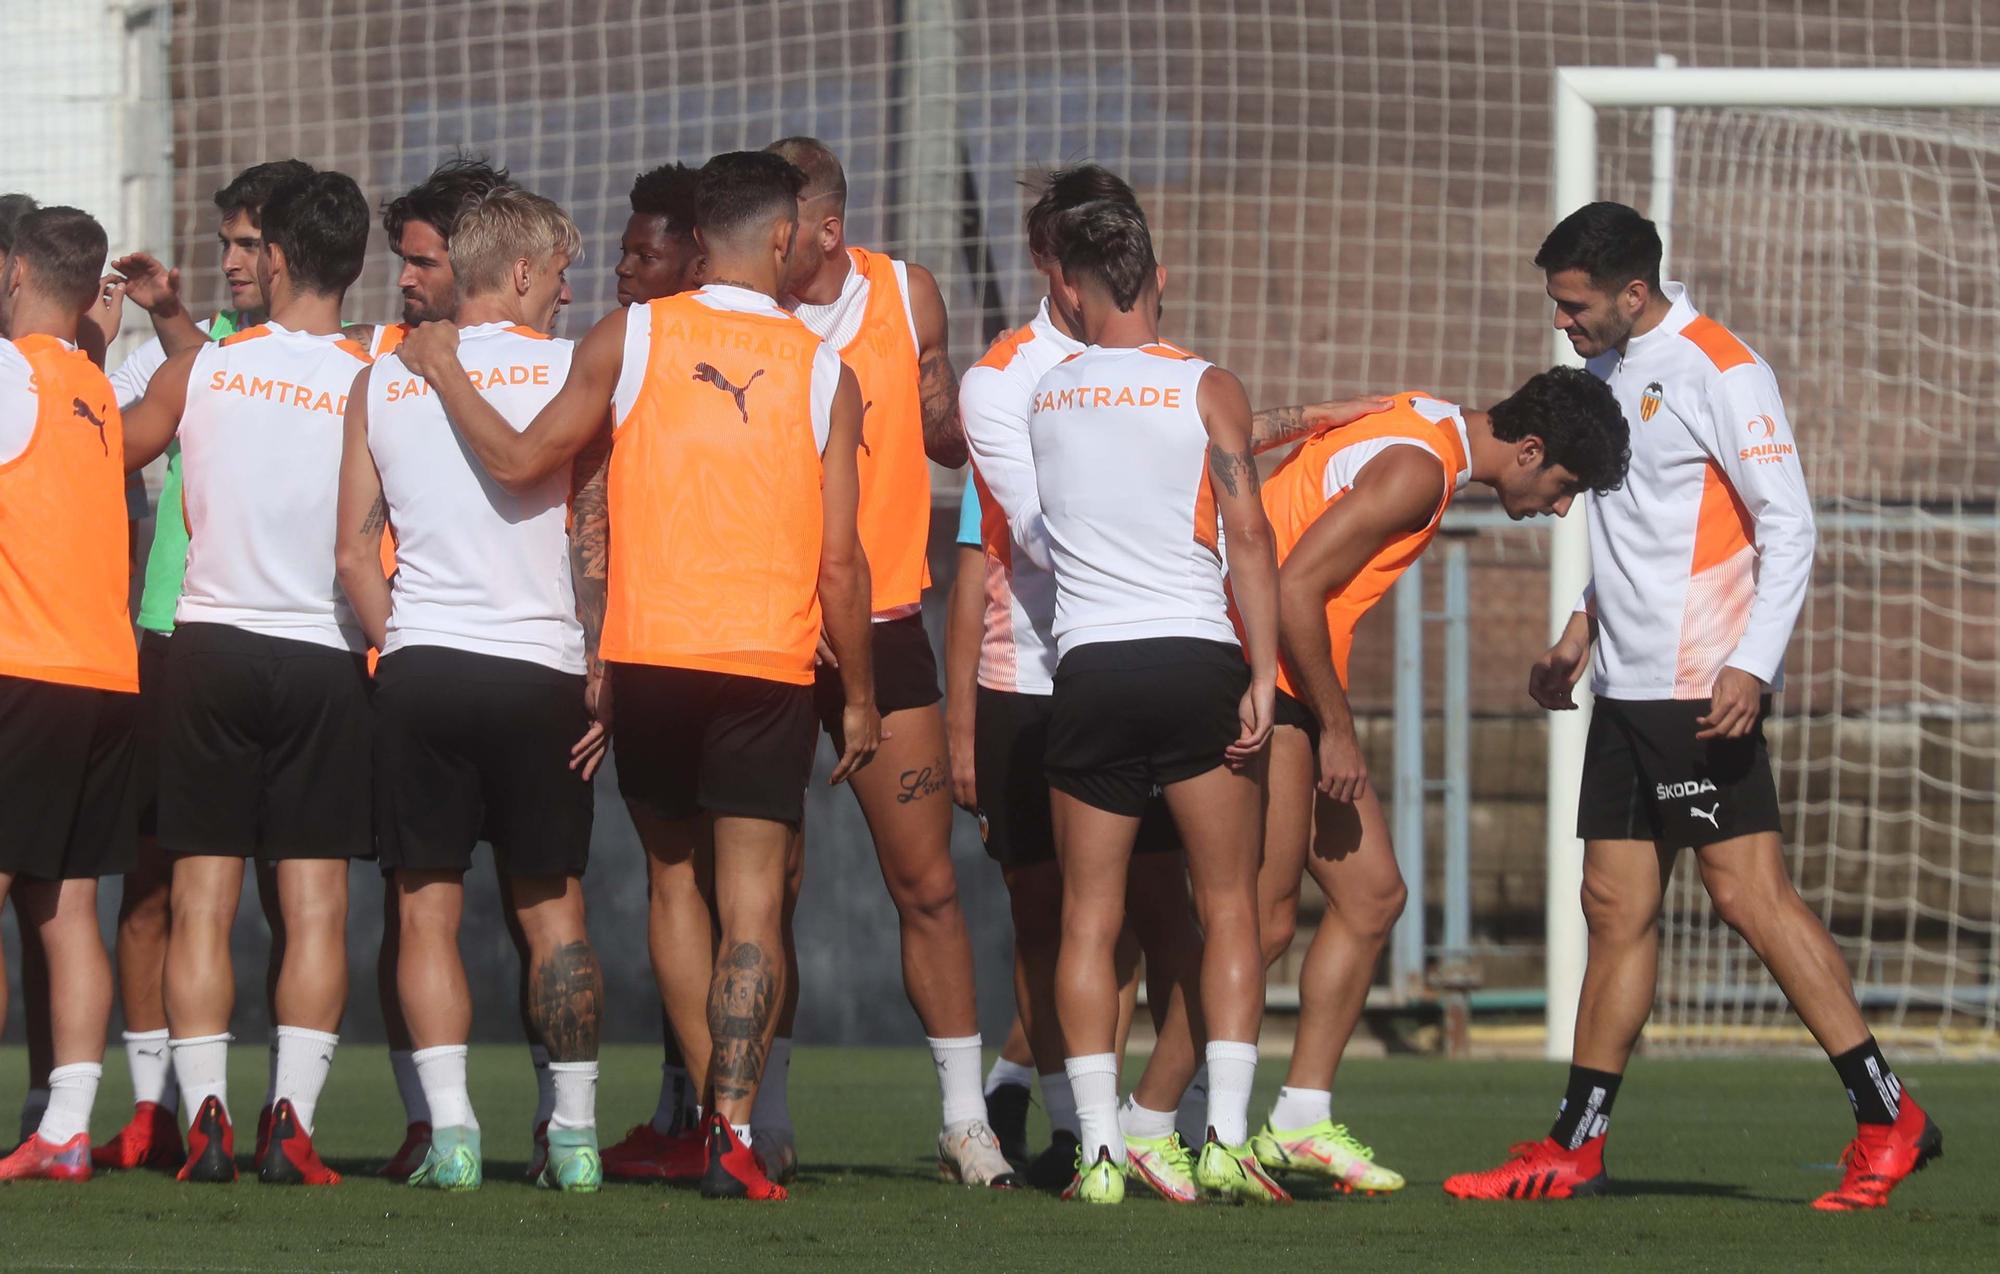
(1646, 777)
(264, 747)
(66, 780)
(1010, 750)
(1293, 712)
(1130, 717)
(691, 742)
(906, 675)
(153, 649)
(472, 747)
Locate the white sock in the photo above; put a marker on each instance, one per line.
(671, 1115)
(441, 1092)
(410, 1087)
(1191, 1120)
(152, 1067)
(742, 1132)
(271, 1075)
(958, 1078)
(1232, 1071)
(1006, 1072)
(1094, 1079)
(573, 1100)
(772, 1108)
(201, 1063)
(33, 1106)
(305, 1058)
(1059, 1100)
(1135, 1120)
(1300, 1108)
(545, 1085)
(72, 1092)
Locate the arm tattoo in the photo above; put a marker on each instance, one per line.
(1232, 469)
(1275, 426)
(590, 540)
(565, 995)
(742, 1000)
(378, 517)
(944, 432)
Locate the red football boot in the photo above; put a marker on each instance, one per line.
(647, 1154)
(734, 1171)
(289, 1157)
(263, 1135)
(540, 1141)
(1539, 1170)
(1880, 1156)
(151, 1140)
(409, 1155)
(39, 1160)
(211, 1145)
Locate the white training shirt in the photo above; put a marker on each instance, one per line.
(20, 405)
(1018, 651)
(1121, 472)
(727, 297)
(260, 470)
(478, 568)
(1701, 560)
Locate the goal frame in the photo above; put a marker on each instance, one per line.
(1579, 93)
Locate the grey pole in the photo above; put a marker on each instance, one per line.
(1457, 754)
(1406, 944)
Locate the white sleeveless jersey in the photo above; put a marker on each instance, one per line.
(260, 443)
(1701, 560)
(1018, 651)
(477, 568)
(1121, 470)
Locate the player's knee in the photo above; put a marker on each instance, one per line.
(1612, 914)
(1373, 913)
(146, 919)
(930, 894)
(1276, 928)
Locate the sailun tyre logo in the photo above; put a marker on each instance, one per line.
(1649, 401)
(1765, 450)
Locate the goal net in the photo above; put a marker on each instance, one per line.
(1856, 251)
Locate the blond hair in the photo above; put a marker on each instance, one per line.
(504, 226)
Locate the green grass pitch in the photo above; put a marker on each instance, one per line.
(1712, 1164)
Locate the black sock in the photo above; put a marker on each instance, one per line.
(1586, 1108)
(1872, 1088)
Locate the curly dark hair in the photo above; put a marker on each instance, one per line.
(1578, 420)
(668, 192)
(441, 198)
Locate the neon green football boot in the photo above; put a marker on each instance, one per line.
(573, 1165)
(1232, 1173)
(1327, 1150)
(1101, 1182)
(451, 1162)
(1164, 1163)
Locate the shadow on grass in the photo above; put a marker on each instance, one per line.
(1630, 1187)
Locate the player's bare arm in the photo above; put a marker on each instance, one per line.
(937, 380)
(156, 289)
(590, 576)
(363, 515)
(1253, 558)
(1396, 493)
(150, 423)
(963, 621)
(843, 581)
(518, 461)
(1273, 427)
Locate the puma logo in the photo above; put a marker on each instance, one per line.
(83, 410)
(1709, 814)
(707, 372)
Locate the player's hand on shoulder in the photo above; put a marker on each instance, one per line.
(430, 349)
(861, 731)
(153, 287)
(1343, 771)
(1321, 417)
(1732, 707)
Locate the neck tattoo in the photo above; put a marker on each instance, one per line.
(734, 283)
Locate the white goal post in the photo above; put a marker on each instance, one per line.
(1579, 93)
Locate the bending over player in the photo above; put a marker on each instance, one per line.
(1352, 509)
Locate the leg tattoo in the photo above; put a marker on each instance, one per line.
(741, 1001)
(564, 995)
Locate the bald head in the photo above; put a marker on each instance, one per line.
(825, 178)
